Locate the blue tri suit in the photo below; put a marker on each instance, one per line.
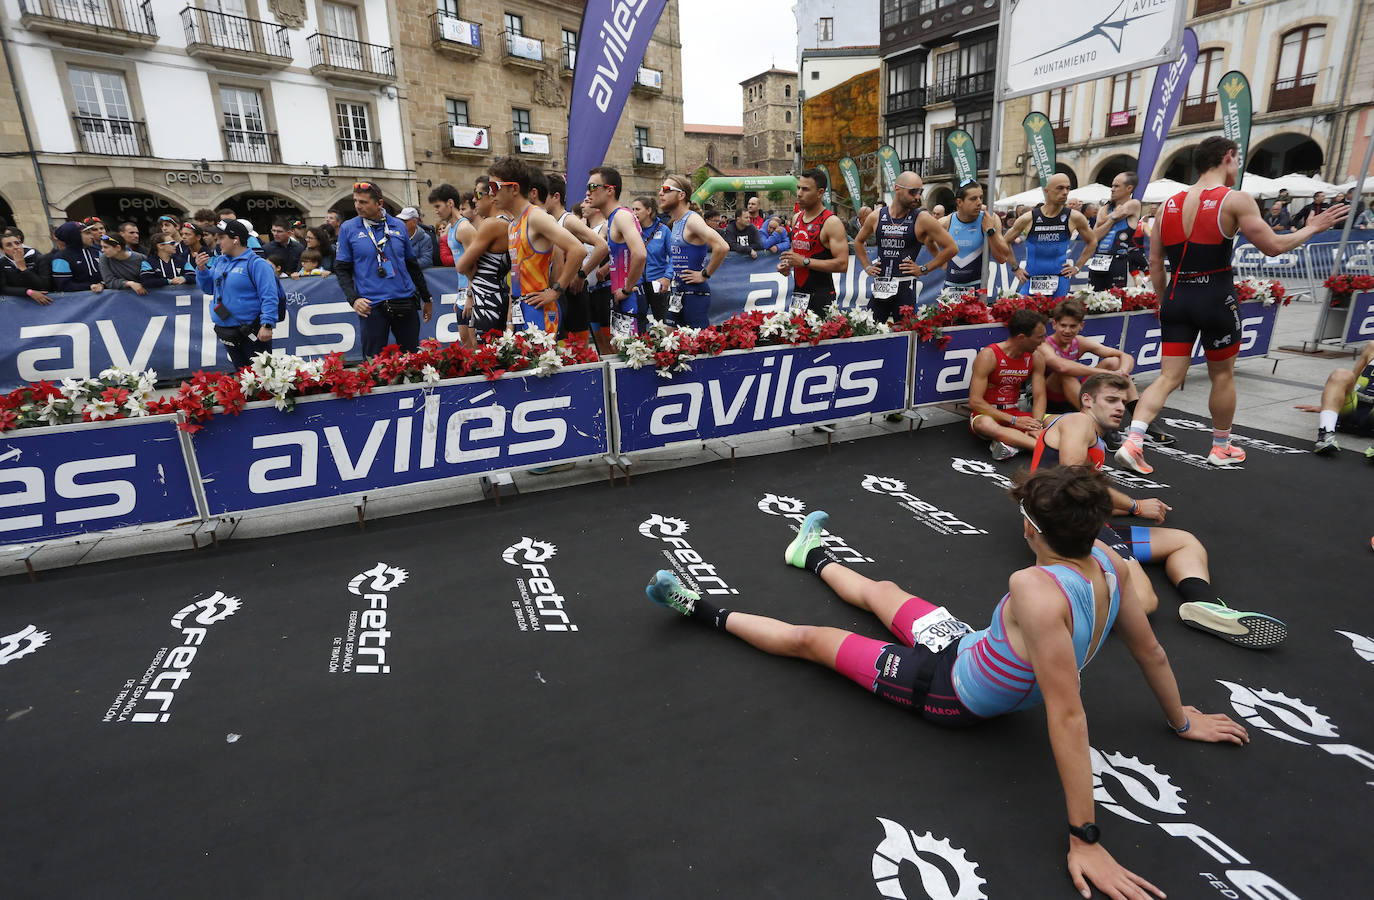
(1047, 248)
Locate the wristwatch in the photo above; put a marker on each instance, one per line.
(921, 268)
(704, 274)
(1088, 833)
(806, 261)
(558, 287)
(989, 232)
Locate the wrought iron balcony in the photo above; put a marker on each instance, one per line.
(901, 101)
(976, 83)
(454, 36)
(123, 24)
(465, 140)
(344, 59)
(945, 89)
(521, 50)
(112, 137)
(1125, 124)
(1197, 110)
(529, 143)
(1293, 93)
(220, 37)
(357, 154)
(251, 146)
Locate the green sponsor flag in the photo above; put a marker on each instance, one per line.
(1233, 93)
(891, 165)
(850, 170)
(828, 197)
(1040, 140)
(965, 157)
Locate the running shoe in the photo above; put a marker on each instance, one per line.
(1369, 452)
(1132, 457)
(808, 538)
(1246, 629)
(1001, 451)
(1162, 438)
(666, 590)
(1230, 455)
(1326, 440)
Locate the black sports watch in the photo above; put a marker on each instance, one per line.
(1089, 833)
(558, 287)
(990, 232)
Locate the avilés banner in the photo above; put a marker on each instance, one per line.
(890, 164)
(965, 156)
(1040, 140)
(1233, 92)
(1171, 82)
(614, 36)
(850, 170)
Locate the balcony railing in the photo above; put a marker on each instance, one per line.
(649, 156)
(455, 35)
(569, 59)
(350, 60)
(945, 89)
(358, 154)
(217, 35)
(119, 23)
(112, 137)
(1293, 93)
(252, 146)
(465, 140)
(648, 81)
(1197, 110)
(1061, 133)
(901, 101)
(919, 165)
(941, 163)
(1210, 6)
(977, 83)
(1125, 124)
(529, 143)
(521, 50)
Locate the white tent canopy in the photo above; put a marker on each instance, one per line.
(1025, 198)
(1361, 187)
(1303, 186)
(1259, 185)
(1091, 193)
(1161, 190)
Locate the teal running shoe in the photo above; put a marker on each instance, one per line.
(1246, 629)
(666, 590)
(808, 538)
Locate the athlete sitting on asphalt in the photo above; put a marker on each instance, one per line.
(994, 393)
(1076, 439)
(1047, 627)
(1062, 351)
(1347, 404)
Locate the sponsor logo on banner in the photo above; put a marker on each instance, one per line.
(147, 700)
(1361, 321)
(460, 32)
(468, 136)
(22, 643)
(1290, 719)
(794, 509)
(1364, 646)
(692, 570)
(540, 607)
(1256, 443)
(361, 649)
(1140, 793)
(1142, 335)
(927, 514)
(533, 142)
(943, 872)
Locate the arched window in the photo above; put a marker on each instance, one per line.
(711, 153)
(789, 115)
(1295, 79)
(787, 90)
(1200, 105)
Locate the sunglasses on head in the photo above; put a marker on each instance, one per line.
(362, 185)
(1022, 505)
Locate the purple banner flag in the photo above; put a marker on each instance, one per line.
(1171, 82)
(615, 34)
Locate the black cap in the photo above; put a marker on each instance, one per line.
(235, 229)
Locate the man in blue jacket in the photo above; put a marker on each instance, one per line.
(379, 274)
(245, 294)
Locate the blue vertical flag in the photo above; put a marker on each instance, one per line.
(1171, 82)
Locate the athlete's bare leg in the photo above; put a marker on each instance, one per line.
(1339, 384)
(816, 643)
(882, 598)
(1172, 371)
(987, 427)
(1222, 401)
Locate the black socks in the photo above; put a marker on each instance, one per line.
(818, 558)
(1195, 590)
(710, 615)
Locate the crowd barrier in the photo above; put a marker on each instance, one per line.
(64, 481)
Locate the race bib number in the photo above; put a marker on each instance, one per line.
(517, 314)
(1100, 263)
(622, 324)
(937, 629)
(799, 302)
(1044, 284)
(675, 302)
(883, 288)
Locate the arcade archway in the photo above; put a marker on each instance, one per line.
(1284, 154)
(262, 208)
(1114, 166)
(115, 205)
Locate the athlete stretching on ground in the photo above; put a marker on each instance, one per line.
(1347, 404)
(1049, 625)
(1196, 230)
(1076, 439)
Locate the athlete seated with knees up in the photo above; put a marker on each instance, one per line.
(1062, 350)
(994, 394)
(1076, 439)
(1347, 404)
(1047, 627)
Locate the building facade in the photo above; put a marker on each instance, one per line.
(770, 121)
(720, 147)
(831, 50)
(272, 108)
(487, 78)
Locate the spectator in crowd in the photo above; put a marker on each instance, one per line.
(76, 267)
(207, 220)
(120, 267)
(30, 253)
(858, 221)
(657, 270)
(1365, 219)
(298, 230)
(1319, 204)
(319, 240)
(1279, 219)
(192, 241)
(228, 215)
(775, 237)
(379, 275)
(169, 225)
(742, 236)
(1090, 211)
(938, 211)
(333, 220)
(285, 245)
(1352, 199)
(755, 209)
(420, 241)
(445, 201)
(310, 265)
(96, 226)
(712, 218)
(167, 265)
(278, 263)
(245, 301)
(19, 276)
(128, 232)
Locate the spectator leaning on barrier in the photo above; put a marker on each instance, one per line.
(318, 239)
(284, 244)
(20, 275)
(379, 274)
(76, 267)
(245, 302)
(120, 267)
(775, 239)
(1279, 219)
(167, 265)
(742, 236)
(421, 243)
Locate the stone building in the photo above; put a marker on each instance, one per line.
(486, 78)
(719, 146)
(770, 121)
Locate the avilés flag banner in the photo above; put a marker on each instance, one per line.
(1040, 139)
(829, 197)
(1233, 93)
(1171, 82)
(965, 157)
(891, 165)
(850, 170)
(614, 36)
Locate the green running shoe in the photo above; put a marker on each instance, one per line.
(666, 590)
(1246, 629)
(1369, 452)
(808, 538)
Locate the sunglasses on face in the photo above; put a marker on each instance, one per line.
(496, 184)
(668, 187)
(591, 186)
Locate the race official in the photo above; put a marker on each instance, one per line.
(244, 306)
(380, 275)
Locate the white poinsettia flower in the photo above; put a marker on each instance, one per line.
(101, 409)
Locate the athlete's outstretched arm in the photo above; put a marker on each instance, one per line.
(1250, 223)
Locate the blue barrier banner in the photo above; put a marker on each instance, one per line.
(1360, 326)
(1142, 336)
(745, 391)
(407, 434)
(99, 476)
(943, 374)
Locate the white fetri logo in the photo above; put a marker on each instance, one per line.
(901, 845)
(1141, 783)
(21, 643)
(214, 608)
(531, 550)
(1364, 646)
(1281, 709)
